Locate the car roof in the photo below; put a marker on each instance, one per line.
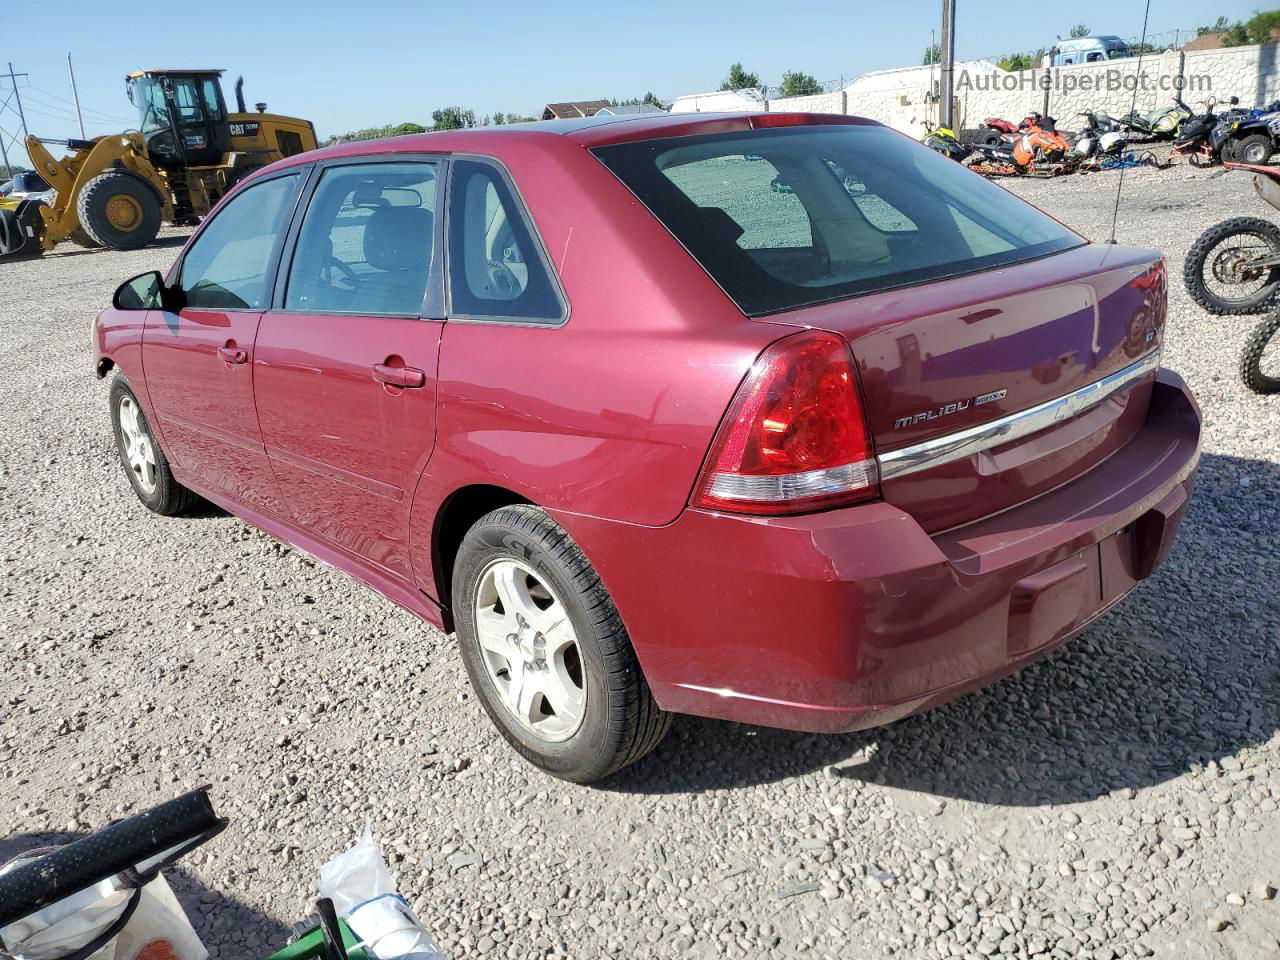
(596, 131)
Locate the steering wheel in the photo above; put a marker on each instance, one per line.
(348, 274)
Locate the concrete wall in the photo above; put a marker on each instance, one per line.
(905, 98)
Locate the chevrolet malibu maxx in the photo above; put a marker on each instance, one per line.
(654, 435)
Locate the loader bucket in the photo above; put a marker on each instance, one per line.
(21, 229)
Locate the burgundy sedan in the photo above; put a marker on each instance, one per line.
(778, 418)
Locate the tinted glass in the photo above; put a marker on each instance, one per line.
(789, 217)
(366, 241)
(226, 267)
(495, 266)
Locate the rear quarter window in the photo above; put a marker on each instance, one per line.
(789, 217)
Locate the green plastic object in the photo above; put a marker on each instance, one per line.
(310, 946)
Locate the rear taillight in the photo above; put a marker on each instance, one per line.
(796, 435)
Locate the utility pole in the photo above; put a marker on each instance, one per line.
(8, 170)
(76, 95)
(948, 62)
(13, 80)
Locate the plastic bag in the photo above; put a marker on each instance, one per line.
(360, 886)
(357, 875)
(157, 930)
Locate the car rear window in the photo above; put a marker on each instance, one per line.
(784, 218)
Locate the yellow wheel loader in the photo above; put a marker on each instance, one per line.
(116, 191)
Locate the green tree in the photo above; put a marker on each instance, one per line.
(932, 55)
(400, 129)
(797, 84)
(1221, 25)
(1018, 61)
(499, 118)
(1260, 25)
(452, 118)
(739, 79)
(1235, 36)
(1079, 30)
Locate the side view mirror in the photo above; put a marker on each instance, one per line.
(146, 291)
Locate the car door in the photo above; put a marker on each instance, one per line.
(198, 361)
(345, 364)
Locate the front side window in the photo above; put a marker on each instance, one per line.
(784, 218)
(496, 268)
(366, 241)
(226, 267)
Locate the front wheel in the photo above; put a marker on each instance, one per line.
(1255, 148)
(1260, 361)
(546, 651)
(1223, 271)
(144, 462)
(119, 210)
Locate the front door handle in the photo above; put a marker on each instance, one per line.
(408, 377)
(233, 354)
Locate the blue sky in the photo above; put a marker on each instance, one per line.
(347, 64)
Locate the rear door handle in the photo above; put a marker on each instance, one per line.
(408, 377)
(234, 354)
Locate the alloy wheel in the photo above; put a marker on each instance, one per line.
(139, 449)
(530, 650)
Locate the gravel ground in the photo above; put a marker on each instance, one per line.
(1116, 800)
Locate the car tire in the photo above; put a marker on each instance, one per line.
(141, 456)
(1255, 148)
(573, 701)
(1193, 267)
(119, 211)
(1251, 359)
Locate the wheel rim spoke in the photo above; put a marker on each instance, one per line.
(139, 451)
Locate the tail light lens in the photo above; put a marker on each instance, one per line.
(796, 435)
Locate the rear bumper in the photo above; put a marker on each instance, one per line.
(857, 617)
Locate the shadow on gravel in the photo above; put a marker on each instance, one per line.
(238, 931)
(1185, 671)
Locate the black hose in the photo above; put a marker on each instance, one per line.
(122, 846)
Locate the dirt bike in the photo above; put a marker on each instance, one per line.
(1233, 268)
(1259, 363)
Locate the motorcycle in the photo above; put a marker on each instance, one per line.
(1233, 268)
(996, 130)
(1260, 371)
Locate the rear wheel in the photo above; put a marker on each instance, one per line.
(1255, 148)
(1220, 271)
(144, 462)
(546, 650)
(119, 210)
(1260, 362)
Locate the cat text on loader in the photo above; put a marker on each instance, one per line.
(116, 191)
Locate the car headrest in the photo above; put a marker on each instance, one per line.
(398, 238)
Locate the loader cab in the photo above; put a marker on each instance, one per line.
(182, 116)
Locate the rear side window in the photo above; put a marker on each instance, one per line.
(366, 241)
(789, 217)
(496, 266)
(226, 267)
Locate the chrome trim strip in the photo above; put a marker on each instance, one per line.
(965, 443)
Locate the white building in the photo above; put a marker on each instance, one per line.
(721, 101)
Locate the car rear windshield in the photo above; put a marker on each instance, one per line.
(789, 217)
